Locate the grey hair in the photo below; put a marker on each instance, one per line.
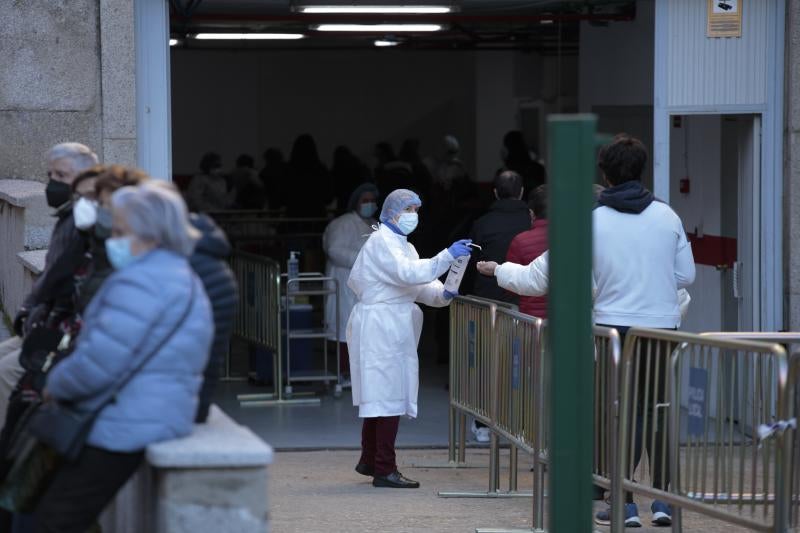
(156, 212)
(79, 154)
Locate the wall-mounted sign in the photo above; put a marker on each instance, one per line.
(724, 18)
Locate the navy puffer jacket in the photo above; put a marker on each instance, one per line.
(209, 261)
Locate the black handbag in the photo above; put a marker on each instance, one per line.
(64, 428)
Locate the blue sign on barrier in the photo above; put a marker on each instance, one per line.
(471, 342)
(516, 352)
(698, 379)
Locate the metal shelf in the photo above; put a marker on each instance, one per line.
(318, 286)
(308, 334)
(302, 376)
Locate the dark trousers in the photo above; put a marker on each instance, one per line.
(643, 411)
(81, 490)
(377, 443)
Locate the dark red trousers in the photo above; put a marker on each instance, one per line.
(377, 443)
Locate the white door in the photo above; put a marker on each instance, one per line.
(714, 188)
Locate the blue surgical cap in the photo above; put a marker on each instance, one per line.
(397, 202)
(355, 196)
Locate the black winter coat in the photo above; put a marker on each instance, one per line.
(209, 261)
(494, 231)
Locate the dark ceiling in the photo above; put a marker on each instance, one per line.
(546, 26)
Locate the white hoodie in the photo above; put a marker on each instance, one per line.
(640, 262)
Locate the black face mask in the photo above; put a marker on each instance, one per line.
(102, 226)
(58, 193)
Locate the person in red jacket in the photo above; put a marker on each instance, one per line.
(529, 245)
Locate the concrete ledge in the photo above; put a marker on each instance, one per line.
(33, 260)
(21, 193)
(212, 480)
(219, 443)
(30, 197)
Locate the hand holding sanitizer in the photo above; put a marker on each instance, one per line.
(457, 270)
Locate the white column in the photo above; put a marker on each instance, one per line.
(153, 127)
(661, 129)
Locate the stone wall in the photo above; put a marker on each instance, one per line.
(792, 167)
(68, 75)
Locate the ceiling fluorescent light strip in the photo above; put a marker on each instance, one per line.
(377, 10)
(383, 42)
(385, 28)
(249, 36)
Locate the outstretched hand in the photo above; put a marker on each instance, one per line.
(487, 268)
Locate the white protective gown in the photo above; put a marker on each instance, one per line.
(342, 240)
(385, 325)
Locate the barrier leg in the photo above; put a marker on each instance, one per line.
(462, 438)
(513, 458)
(451, 436)
(538, 494)
(494, 464)
(494, 480)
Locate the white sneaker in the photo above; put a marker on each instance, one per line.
(481, 434)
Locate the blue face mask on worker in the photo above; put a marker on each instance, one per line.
(407, 222)
(119, 252)
(367, 210)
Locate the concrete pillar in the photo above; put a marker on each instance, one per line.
(792, 167)
(49, 82)
(118, 62)
(68, 75)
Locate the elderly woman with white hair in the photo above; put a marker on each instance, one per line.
(139, 359)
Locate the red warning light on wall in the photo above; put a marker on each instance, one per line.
(685, 185)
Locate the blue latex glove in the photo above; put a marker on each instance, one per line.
(459, 248)
(449, 295)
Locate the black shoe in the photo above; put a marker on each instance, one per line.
(395, 480)
(365, 470)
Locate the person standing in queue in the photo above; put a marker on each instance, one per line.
(383, 332)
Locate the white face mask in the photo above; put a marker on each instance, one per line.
(408, 222)
(85, 213)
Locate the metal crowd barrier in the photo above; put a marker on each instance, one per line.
(258, 319)
(474, 375)
(256, 226)
(791, 343)
(523, 396)
(731, 388)
(607, 362)
(518, 352)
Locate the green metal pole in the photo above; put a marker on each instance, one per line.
(571, 170)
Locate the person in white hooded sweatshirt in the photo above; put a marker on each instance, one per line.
(383, 331)
(642, 261)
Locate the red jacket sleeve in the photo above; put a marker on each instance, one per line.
(514, 254)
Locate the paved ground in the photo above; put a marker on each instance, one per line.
(318, 492)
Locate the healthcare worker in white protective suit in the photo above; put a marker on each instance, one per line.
(384, 329)
(342, 240)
